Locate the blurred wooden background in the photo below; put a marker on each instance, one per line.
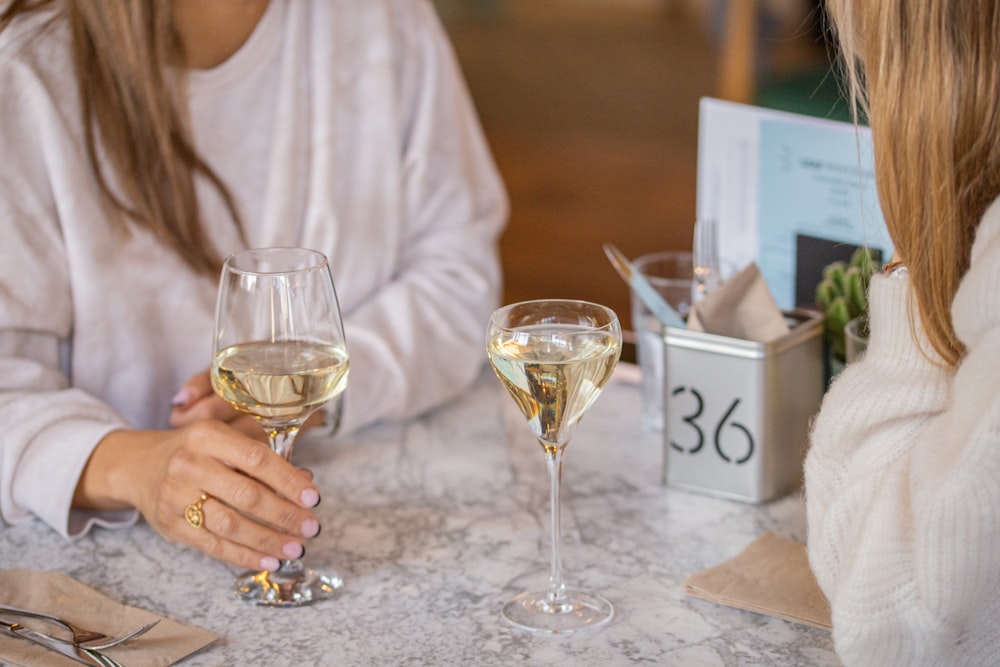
(591, 108)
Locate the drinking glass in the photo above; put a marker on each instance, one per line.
(280, 354)
(554, 357)
(671, 274)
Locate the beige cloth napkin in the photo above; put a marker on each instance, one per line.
(771, 577)
(741, 307)
(60, 595)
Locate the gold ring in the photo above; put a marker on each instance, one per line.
(193, 513)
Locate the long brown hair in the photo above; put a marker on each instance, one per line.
(123, 52)
(927, 74)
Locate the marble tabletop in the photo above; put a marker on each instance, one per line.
(437, 522)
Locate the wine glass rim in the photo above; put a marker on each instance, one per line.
(319, 260)
(610, 324)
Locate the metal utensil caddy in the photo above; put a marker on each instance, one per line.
(737, 412)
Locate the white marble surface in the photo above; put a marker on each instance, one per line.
(436, 523)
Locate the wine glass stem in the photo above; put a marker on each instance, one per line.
(553, 459)
(291, 567)
(282, 438)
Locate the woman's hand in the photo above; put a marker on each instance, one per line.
(196, 401)
(258, 507)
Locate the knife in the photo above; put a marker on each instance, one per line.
(662, 310)
(17, 630)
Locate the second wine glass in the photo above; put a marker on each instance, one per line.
(554, 357)
(279, 354)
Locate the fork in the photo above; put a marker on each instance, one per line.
(60, 646)
(81, 637)
(69, 649)
(79, 634)
(108, 643)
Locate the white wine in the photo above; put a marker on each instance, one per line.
(282, 381)
(554, 373)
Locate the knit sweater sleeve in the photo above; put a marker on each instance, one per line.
(902, 482)
(48, 429)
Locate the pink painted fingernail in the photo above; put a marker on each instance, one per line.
(310, 497)
(293, 550)
(269, 563)
(310, 527)
(181, 398)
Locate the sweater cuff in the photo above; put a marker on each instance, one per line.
(50, 469)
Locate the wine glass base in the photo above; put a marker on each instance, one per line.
(294, 589)
(573, 612)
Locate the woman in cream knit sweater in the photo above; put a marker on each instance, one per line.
(903, 475)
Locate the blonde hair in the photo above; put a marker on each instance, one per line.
(926, 73)
(122, 52)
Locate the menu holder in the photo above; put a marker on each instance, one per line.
(737, 412)
(768, 178)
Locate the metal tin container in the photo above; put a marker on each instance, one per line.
(737, 412)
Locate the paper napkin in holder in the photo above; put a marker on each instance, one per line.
(741, 307)
(771, 577)
(60, 595)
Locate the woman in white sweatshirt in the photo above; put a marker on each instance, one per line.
(903, 475)
(141, 141)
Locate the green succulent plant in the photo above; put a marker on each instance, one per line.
(842, 295)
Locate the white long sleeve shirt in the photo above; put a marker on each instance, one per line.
(903, 484)
(341, 125)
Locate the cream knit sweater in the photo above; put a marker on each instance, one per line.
(903, 484)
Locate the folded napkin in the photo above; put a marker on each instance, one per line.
(60, 595)
(770, 577)
(741, 307)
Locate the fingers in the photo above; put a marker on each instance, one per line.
(256, 500)
(196, 388)
(256, 461)
(257, 512)
(245, 539)
(206, 407)
(229, 536)
(197, 400)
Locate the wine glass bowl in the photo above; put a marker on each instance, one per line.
(554, 357)
(279, 355)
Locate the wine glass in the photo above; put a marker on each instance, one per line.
(554, 357)
(280, 354)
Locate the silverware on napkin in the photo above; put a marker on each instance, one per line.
(80, 635)
(65, 648)
(165, 644)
